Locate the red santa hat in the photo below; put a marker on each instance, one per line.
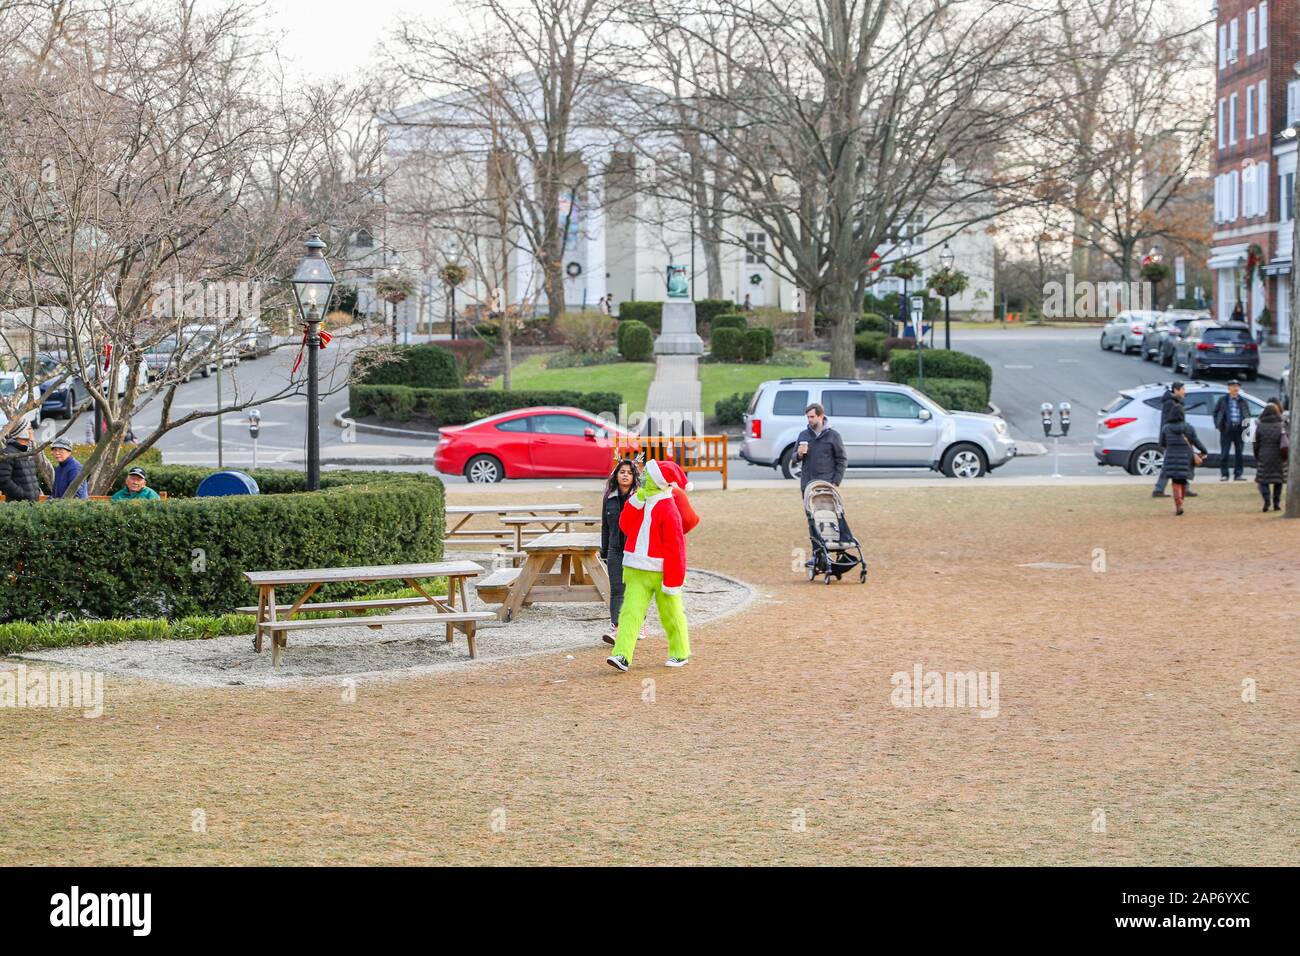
(667, 473)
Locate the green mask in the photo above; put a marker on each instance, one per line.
(648, 488)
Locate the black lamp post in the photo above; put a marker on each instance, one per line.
(946, 259)
(312, 283)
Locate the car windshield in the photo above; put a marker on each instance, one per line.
(166, 345)
(1226, 335)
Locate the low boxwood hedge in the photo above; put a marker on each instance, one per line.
(725, 344)
(636, 342)
(729, 320)
(187, 556)
(651, 313)
(868, 345)
(731, 410)
(707, 309)
(955, 394)
(456, 406)
(753, 345)
(419, 366)
(941, 363)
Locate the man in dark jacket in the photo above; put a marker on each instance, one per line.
(821, 450)
(67, 472)
(1173, 396)
(18, 467)
(1230, 416)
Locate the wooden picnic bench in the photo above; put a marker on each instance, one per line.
(444, 610)
(581, 577)
(458, 535)
(537, 525)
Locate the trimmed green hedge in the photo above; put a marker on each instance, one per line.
(955, 394)
(726, 344)
(729, 321)
(753, 345)
(869, 345)
(708, 309)
(636, 342)
(418, 366)
(731, 410)
(651, 313)
(769, 340)
(187, 556)
(941, 363)
(456, 406)
(872, 322)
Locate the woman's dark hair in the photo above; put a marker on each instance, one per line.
(1176, 415)
(1271, 411)
(611, 486)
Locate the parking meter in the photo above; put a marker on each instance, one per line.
(1047, 419)
(1065, 418)
(254, 422)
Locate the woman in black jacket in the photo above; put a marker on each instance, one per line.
(18, 480)
(1270, 456)
(621, 485)
(1179, 438)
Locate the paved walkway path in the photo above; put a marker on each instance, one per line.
(675, 390)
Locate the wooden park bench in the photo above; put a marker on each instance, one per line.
(443, 608)
(691, 452)
(580, 578)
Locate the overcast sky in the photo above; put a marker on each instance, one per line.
(332, 37)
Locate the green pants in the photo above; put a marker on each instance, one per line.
(639, 586)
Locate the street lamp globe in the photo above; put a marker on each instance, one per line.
(313, 280)
(946, 258)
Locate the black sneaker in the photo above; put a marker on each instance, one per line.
(1159, 494)
(618, 660)
(1191, 494)
(1239, 478)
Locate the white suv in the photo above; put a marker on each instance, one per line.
(883, 425)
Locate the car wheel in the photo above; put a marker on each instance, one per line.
(789, 467)
(206, 372)
(1166, 360)
(1146, 461)
(484, 470)
(1104, 346)
(1192, 368)
(964, 461)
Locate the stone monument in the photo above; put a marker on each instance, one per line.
(677, 335)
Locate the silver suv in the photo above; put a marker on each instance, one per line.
(883, 425)
(1126, 330)
(1128, 429)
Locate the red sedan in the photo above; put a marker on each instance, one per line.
(528, 443)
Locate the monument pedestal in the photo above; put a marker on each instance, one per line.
(678, 335)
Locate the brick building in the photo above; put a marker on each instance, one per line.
(1258, 45)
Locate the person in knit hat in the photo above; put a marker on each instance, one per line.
(655, 522)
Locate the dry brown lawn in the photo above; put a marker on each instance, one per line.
(1119, 691)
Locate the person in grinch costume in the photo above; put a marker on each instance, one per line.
(655, 521)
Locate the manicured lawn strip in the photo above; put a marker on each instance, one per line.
(629, 379)
(724, 379)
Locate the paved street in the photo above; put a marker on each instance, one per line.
(1030, 366)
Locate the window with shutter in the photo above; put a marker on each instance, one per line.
(1232, 41)
(1250, 112)
(1261, 187)
(1262, 125)
(1250, 32)
(1223, 46)
(1223, 130)
(1263, 24)
(1248, 192)
(1232, 119)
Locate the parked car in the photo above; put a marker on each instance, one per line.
(1222, 346)
(195, 340)
(12, 385)
(254, 339)
(1128, 429)
(1126, 330)
(1169, 334)
(61, 400)
(1158, 342)
(539, 442)
(162, 360)
(883, 424)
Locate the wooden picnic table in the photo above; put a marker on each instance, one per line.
(538, 525)
(460, 535)
(581, 576)
(444, 610)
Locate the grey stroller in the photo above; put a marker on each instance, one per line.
(835, 552)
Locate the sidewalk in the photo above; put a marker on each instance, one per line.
(675, 391)
(1272, 359)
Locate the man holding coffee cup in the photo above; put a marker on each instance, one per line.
(821, 450)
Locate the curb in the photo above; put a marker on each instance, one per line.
(342, 421)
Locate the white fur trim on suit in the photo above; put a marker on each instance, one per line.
(676, 590)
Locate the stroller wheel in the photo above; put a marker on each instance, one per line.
(812, 574)
(828, 577)
(863, 576)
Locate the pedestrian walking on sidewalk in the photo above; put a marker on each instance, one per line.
(1230, 414)
(1173, 396)
(1181, 453)
(821, 449)
(1271, 449)
(622, 484)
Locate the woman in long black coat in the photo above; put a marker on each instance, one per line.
(1270, 456)
(1179, 438)
(622, 484)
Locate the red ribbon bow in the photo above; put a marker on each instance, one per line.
(325, 339)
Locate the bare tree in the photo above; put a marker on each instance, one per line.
(844, 119)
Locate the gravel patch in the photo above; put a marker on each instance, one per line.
(363, 654)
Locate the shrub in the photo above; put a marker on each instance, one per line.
(582, 359)
(867, 345)
(956, 394)
(470, 353)
(726, 344)
(796, 358)
(943, 363)
(706, 310)
(753, 345)
(456, 406)
(419, 366)
(731, 410)
(112, 560)
(729, 321)
(893, 344)
(586, 331)
(872, 322)
(636, 341)
(651, 313)
(769, 340)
